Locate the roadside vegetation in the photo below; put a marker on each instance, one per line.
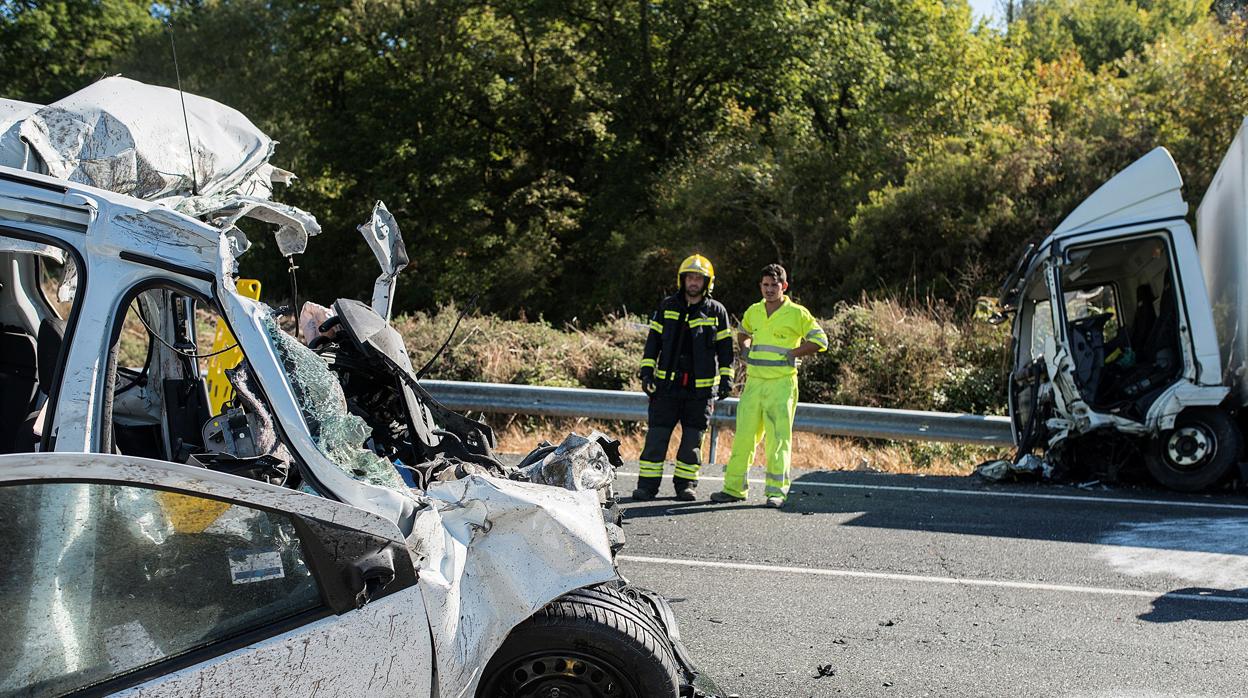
(881, 354)
(559, 159)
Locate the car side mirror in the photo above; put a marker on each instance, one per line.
(367, 577)
(358, 568)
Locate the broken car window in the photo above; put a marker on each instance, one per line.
(1123, 321)
(339, 435)
(105, 579)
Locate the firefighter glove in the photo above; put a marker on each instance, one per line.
(725, 388)
(648, 386)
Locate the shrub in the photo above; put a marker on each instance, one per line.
(881, 354)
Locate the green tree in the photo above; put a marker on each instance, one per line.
(1101, 31)
(560, 157)
(49, 49)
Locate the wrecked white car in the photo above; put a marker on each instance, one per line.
(331, 529)
(1119, 354)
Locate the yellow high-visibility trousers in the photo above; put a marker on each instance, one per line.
(765, 413)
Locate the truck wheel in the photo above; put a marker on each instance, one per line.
(589, 643)
(1197, 453)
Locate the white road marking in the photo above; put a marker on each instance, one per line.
(961, 581)
(1208, 552)
(990, 493)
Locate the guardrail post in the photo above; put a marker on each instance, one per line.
(710, 457)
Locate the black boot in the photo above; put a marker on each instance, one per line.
(647, 488)
(686, 490)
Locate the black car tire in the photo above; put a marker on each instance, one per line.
(1216, 441)
(593, 642)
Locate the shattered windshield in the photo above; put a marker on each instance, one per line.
(339, 435)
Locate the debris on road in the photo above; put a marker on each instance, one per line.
(824, 670)
(1029, 467)
(579, 463)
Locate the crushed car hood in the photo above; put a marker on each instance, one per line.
(490, 554)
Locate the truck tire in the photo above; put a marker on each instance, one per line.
(1197, 453)
(589, 643)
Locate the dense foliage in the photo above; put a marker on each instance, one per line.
(880, 354)
(560, 156)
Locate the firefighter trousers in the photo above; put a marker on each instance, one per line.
(765, 413)
(667, 410)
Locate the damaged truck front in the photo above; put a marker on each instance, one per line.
(1119, 356)
(330, 528)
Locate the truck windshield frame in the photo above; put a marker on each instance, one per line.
(1111, 347)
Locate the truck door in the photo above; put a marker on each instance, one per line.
(1032, 332)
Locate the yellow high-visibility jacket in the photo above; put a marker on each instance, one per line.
(771, 337)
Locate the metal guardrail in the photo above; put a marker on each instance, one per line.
(837, 420)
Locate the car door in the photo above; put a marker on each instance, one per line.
(152, 578)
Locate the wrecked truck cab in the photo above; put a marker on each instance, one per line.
(1115, 357)
(331, 527)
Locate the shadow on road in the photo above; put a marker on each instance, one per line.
(1199, 603)
(879, 500)
(672, 507)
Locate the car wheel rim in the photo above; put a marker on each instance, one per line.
(1190, 447)
(563, 675)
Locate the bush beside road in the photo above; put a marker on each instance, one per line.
(882, 353)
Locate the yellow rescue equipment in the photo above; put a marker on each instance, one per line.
(219, 389)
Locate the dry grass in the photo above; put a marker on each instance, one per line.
(810, 451)
(881, 354)
(494, 350)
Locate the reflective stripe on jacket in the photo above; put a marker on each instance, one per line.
(771, 337)
(709, 332)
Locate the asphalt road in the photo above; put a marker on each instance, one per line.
(913, 586)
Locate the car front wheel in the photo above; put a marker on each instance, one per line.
(589, 643)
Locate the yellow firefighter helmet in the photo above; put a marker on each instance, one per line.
(697, 264)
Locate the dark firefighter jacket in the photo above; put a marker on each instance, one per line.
(711, 337)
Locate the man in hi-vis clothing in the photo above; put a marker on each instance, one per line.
(688, 352)
(775, 332)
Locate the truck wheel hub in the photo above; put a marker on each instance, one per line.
(1189, 446)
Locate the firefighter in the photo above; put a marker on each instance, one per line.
(775, 333)
(688, 351)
